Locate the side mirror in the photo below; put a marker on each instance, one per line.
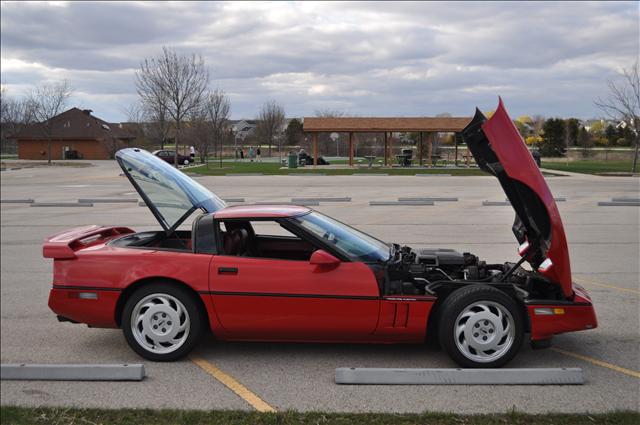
(323, 258)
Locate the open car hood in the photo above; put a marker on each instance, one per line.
(171, 195)
(499, 150)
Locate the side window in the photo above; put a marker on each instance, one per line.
(262, 239)
(270, 228)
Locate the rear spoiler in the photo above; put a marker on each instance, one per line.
(64, 245)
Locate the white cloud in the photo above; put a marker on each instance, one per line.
(380, 58)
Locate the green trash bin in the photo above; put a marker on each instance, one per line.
(293, 160)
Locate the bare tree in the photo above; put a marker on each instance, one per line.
(135, 124)
(46, 102)
(111, 143)
(537, 122)
(173, 83)
(157, 123)
(623, 104)
(270, 122)
(218, 109)
(15, 114)
(329, 113)
(198, 132)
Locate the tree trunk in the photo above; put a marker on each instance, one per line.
(634, 168)
(175, 152)
(49, 150)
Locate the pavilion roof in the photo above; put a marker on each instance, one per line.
(372, 124)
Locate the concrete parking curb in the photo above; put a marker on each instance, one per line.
(106, 200)
(16, 201)
(557, 199)
(619, 204)
(495, 203)
(233, 199)
(72, 372)
(625, 199)
(60, 204)
(320, 199)
(303, 204)
(384, 376)
(396, 203)
(433, 199)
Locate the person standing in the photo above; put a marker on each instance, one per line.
(251, 153)
(241, 153)
(258, 153)
(192, 153)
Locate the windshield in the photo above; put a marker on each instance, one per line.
(172, 195)
(346, 239)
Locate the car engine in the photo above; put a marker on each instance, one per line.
(428, 271)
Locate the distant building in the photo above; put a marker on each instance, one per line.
(243, 128)
(76, 133)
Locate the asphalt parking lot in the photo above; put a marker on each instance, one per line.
(605, 254)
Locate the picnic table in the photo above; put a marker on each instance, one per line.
(404, 160)
(370, 159)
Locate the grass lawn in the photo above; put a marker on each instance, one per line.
(589, 166)
(272, 168)
(58, 416)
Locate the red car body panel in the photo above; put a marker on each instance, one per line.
(514, 156)
(282, 299)
(576, 317)
(99, 312)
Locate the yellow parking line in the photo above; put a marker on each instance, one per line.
(597, 362)
(235, 386)
(604, 285)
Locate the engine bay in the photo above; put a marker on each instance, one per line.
(430, 271)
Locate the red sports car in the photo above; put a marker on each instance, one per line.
(288, 273)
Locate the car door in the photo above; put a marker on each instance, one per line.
(281, 299)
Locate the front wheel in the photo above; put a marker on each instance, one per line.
(186, 162)
(162, 322)
(480, 326)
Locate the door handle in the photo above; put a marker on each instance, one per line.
(227, 270)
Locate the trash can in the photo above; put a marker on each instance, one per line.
(293, 160)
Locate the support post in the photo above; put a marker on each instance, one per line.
(455, 149)
(314, 138)
(432, 136)
(391, 147)
(386, 149)
(351, 149)
(420, 150)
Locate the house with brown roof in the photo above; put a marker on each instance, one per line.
(75, 133)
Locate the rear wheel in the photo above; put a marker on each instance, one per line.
(480, 326)
(162, 322)
(185, 162)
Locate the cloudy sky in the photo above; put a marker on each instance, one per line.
(366, 59)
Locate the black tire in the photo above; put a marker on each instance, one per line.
(454, 305)
(192, 312)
